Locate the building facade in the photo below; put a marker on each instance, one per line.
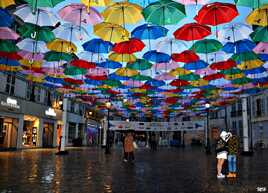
(31, 115)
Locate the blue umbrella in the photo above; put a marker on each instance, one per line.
(254, 70)
(54, 80)
(8, 62)
(195, 65)
(157, 57)
(114, 76)
(97, 46)
(154, 82)
(93, 82)
(51, 85)
(252, 91)
(149, 32)
(142, 3)
(5, 18)
(263, 57)
(239, 46)
(109, 64)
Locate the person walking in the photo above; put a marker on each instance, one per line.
(233, 147)
(129, 147)
(222, 150)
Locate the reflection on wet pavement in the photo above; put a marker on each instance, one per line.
(90, 170)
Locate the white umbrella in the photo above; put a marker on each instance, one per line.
(234, 32)
(33, 46)
(71, 32)
(42, 17)
(170, 45)
(91, 56)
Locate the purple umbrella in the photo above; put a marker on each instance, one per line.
(8, 34)
(261, 48)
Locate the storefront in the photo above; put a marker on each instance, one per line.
(8, 132)
(31, 131)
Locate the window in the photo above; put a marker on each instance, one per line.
(81, 109)
(258, 107)
(71, 131)
(72, 106)
(38, 94)
(29, 90)
(239, 108)
(10, 84)
(233, 125)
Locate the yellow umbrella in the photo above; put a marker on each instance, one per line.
(122, 13)
(138, 90)
(179, 72)
(233, 76)
(31, 63)
(169, 94)
(98, 3)
(246, 65)
(105, 86)
(111, 32)
(35, 79)
(6, 3)
(60, 45)
(126, 72)
(200, 82)
(10, 68)
(122, 57)
(258, 16)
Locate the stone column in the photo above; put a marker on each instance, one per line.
(245, 125)
(65, 125)
(55, 134)
(40, 133)
(20, 132)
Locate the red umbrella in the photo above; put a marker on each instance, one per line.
(82, 64)
(178, 83)
(171, 100)
(192, 31)
(129, 47)
(224, 65)
(213, 76)
(98, 77)
(216, 13)
(73, 81)
(113, 92)
(186, 56)
(10, 55)
(147, 87)
(174, 90)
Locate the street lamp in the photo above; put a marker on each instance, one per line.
(107, 146)
(208, 151)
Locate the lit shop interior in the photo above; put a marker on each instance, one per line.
(8, 132)
(30, 131)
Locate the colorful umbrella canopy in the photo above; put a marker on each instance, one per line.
(185, 56)
(261, 48)
(90, 3)
(122, 13)
(41, 17)
(110, 64)
(128, 47)
(79, 14)
(6, 19)
(44, 3)
(8, 34)
(139, 64)
(258, 16)
(29, 30)
(111, 32)
(10, 55)
(192, 31)
(252, 4)
(157, 57)
(6, 3)
(98, 46)
(60, 45)
(164, 12)
(122, 57)
(31, 45)
(82, 64)
(206, 46)
(260, 34)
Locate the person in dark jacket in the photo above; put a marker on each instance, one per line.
(233, 147)
(222, 150)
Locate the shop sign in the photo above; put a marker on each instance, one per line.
(51, 112)
(13, 103)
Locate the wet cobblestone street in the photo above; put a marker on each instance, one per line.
(89, 170)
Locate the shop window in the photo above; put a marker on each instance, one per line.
(10, 85)
(71, 132)
(30, 131)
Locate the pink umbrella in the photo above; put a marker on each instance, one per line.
(261, 48)
(8, 34)
(31, 56)
(166, 66)
(165, 76)
(79, 14)
(133, 83)
(205, 71)
(98, 71)
(35, 74)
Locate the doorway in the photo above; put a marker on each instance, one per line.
(48, 135)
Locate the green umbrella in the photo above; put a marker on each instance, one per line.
(251, 3)
(139, 64)
(231, 71)
(164, 12)
(112, 82)
(260, 34)
(244, 56)
(241, 81)
(57, 56)
(141, 77)
(36, 32)
(8, 46)
(42, 3)
(187, 87)
(73, 71)
(190, 77)
(206, 46)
